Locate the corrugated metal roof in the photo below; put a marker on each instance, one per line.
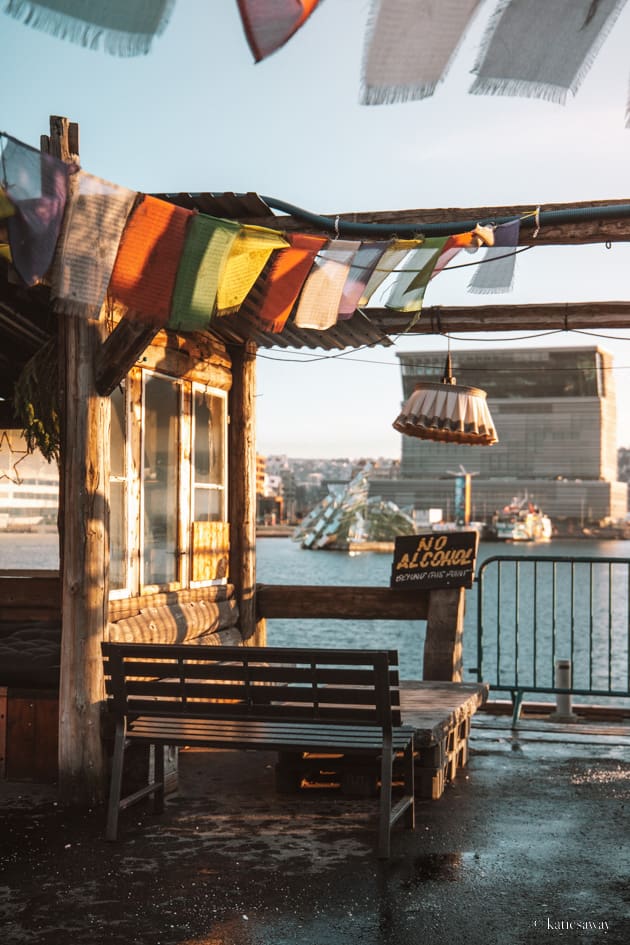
(356, 332)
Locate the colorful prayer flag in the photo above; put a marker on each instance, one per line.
(413, 277)
(363, 265)
(124, 27)
(247, 257)
(268, 24)
(495, 272)
(321, 296)
(409, 47)
(386, 266)
(95, 217)
(148, 259)
(37, 186)
(206, 249)
(286, 277)
(538, 49)
(7, 209)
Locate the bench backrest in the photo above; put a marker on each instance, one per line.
(259, 683)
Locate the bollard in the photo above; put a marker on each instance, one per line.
(562, 680)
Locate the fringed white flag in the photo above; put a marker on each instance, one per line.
(320, 298)
(93, 224)
(409, 47)
(495, 272)
(122, 27)
(540, 48)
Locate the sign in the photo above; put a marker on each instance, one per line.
(436, 559)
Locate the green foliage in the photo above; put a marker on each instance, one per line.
(36, 401)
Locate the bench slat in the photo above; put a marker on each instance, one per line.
(280, 737)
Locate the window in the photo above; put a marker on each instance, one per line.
(168, 484)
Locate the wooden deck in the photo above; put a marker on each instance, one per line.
(434, 708)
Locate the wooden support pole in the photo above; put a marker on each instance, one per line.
(544, 316)
(242, 486)
(445, 632)
(84, 476)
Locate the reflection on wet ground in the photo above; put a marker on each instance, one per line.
(519, 841)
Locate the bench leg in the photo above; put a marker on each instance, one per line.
(113, 807)
(410, 788)
(388, 814)
(385, 804)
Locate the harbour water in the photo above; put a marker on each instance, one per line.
(282, 561)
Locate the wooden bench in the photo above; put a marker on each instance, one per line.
(281, 699)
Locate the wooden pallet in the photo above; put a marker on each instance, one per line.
(435, 766)
(440, 714)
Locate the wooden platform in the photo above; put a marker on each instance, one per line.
(439, 712)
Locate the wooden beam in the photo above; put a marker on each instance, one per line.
(84, 495)
(561, 316)
(119, 353)
(340, 603)
(613, 227)
(443, 644)
(242, 484)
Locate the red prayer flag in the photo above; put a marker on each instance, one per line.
(148, 259)
(287, 276)
(268, 24)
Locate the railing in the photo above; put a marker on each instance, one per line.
(533, 611)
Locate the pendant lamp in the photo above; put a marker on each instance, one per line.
(447, 412)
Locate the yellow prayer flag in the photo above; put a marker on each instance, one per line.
(250, 251)
(7, 209)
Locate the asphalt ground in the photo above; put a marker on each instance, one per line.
(529, 844)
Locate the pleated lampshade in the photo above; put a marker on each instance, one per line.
(447, 413)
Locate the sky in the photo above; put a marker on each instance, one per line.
(198, 114)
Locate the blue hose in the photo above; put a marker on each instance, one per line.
(348, 228)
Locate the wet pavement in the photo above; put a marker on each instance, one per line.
(528, 845)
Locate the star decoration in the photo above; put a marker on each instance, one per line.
(9, 459)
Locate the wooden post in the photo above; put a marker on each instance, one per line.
(445, 631)
(85, 549)
(242, 488)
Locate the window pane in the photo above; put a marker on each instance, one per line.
(118, 494)
(117, 536)
(117, 435)
(208, 449)
(160, 480)
(208, 505)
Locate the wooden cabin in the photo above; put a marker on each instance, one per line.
(157, 491)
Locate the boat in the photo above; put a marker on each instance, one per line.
(29, 503)
(521, 520)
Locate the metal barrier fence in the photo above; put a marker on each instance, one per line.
(535, 613)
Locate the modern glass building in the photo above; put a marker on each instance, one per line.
(555, 413)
